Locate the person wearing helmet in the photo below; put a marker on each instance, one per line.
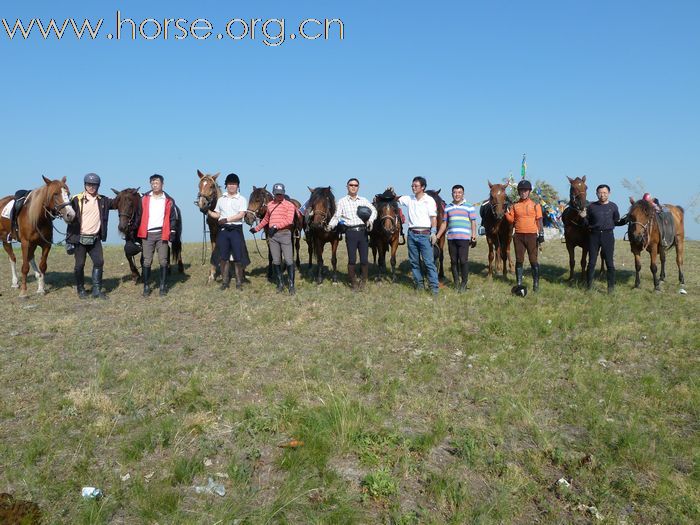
(653, 201)
(229, 212)
(526, 215)
(156, 224)
(87, 232)
(358, 215)
(459, 221)
(279, 221)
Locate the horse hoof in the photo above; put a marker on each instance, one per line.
(15, 286)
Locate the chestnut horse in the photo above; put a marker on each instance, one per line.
(258, 201)
(644, 234)
(35, 226)
(128, 205)
(319, 211)
(208, 194)
(440, 203)
(386, 232)
(499, 232)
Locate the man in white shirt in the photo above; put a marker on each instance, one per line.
(229, 211)
(351, 211)
(422, 224)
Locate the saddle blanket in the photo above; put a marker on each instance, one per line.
(666, 228)
(7, 210)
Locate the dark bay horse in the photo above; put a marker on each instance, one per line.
(644, 234)
(319, 211)
(35, 226)
(208, 195)
(386, 232)
(439, 260)
(576, 232)
(128, 205)
(499, 232)
(258, 202)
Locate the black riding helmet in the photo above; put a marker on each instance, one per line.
(92, 178)
(132, 249)
(524, 185)
(364, 213)
(232, 178)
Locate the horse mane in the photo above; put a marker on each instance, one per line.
(646, 207)
(323, 192)
(37, 198)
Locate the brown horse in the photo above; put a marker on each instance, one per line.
(208, 194)
(128, 205)
(35, 226)
(439, 260)
(386, 232)
(644, 234)
(319, 210)
(499, 232)
(258, 202)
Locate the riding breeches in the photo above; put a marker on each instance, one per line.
(525, 242)
(605, 241)
(356, 240)
(154, 242)
(281, 246)
(94, 250)
(459, 251)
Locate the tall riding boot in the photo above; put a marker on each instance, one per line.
(351, 277)
(519, 273)
(290, 271)
(146, 276)
(238, 267)
(80, 283)
(535, 277)
(455, 275)
(97, 283)
(225, 274)
(278, 276)
(163, 275)
(365, 275)
(611, 280)
(464, 267)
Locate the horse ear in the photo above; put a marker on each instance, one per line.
(63, 180)
(200, 174)
(490, 185)
(137, 189)
(215, 176)
(583, 178)
(438, 191)
(265, 187)
(310, 189)
(47, 181)
(254, 188)
(115, 191)
(631, 200)
(571, 180)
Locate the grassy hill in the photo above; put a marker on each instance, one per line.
(461, 409)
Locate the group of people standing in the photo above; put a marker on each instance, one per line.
(156, 220)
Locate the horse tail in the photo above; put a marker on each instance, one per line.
(176, 252)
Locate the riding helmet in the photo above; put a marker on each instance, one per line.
(92, 178)
(520, 290)
(132, 249)
(278, 189)
(364, 213)
(232, 178)
(524, 185)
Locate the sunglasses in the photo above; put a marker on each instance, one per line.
(353, 184)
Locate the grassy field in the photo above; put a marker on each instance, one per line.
(461, 409)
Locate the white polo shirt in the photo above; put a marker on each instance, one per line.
(228, 205)
(419, 211)
(156, 211)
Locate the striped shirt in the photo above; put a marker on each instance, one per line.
(347, 212)
(459, 219)
(280, 215)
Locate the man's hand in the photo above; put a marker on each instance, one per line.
(540, 238)
(253, 230)
(327, 227)
(472, 244)
(369, 226)
(223, 220)
(433, 239)
(582, 213)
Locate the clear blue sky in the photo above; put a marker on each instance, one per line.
(453, 91)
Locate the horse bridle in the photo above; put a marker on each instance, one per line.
(646, 231)
(506, 205)
(325, 216)
(131, 216)
(209, 200)
(393, 218)
(56, 210)
(260, 212)
(573, 195)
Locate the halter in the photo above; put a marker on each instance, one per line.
(572, 199)
(325, 215)
(130, 222)
(506, 205)
(646, 230)
(393, 218)
(210, 199)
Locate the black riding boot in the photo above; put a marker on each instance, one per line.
(80, 283)
(455, 275)
(365, 275)
(225, 274)
(278, 275)
(97, 284)
(238, 268)
(351, 277)
(163, 274)
(146, 276)
(290, 271)
(519, 273)
(464, 267)
(535, 277)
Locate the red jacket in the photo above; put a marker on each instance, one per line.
(142, 232)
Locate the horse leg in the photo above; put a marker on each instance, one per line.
(13, 263)
(653, 252)
(319, 261)
(572, 260)
(27, 253)
(334, 261)
(45, 249)
(637, 268)
(680, 246)
(394, 248)
(584, 258)
(662, 256)
(134, 271)
(491, 257)
(382, 262)
(37, 272)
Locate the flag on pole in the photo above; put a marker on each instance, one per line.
(523, 168)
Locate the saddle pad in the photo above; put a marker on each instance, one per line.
(666, 228)
(7, 210)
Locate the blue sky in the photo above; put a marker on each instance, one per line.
(453, 91)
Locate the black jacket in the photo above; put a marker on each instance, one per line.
(104, 204)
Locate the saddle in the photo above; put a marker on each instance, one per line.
(20, 199)
(667, 230)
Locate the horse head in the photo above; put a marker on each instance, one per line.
(57, 199)
(257, 204)
(208, 191)
(498, 200)
(127, 202)
(321, 207)
(577, 193)
(639, 221)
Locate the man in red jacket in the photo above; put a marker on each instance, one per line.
(156, 224)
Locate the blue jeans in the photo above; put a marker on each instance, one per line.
(419, 246)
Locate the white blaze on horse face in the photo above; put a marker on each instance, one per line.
(69, 214)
